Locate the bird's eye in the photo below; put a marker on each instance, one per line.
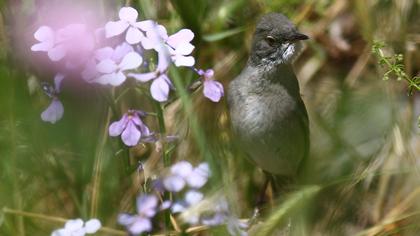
(270, 40)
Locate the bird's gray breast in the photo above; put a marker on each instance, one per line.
(264, 118)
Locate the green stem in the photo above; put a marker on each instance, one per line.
(97, 171)
(388, 63)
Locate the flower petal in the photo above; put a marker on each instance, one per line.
(44, 33)
(58, 78)
(184, 61)
(143, 77)
(61, 232)
(178, 207)
(130, 61)
(174, 183)
(148, 43)
(117, 127)
(184, 49)
(125, 219)
(213, 90)
(114, 28)
(89, 72)
(146, 205)
(182, 36)
(199, 176)
(120, 51)
(41, 47)
(160, 89)
(140, 225)
(106, 66)
(73, 225)
(57, 53)
(104, 53)
(92, 226)
(128, 14)
(133, 36)
(209, 74)
(182, 168)
(54, 112)
(118, 79)
(145, 25)
(193, 197)
(164, 59)
(131, 135)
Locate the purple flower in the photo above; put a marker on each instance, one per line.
(213, 89)
(183, 173)
(112, 73)
(141, 222)
(77, 227)
(55, 110)
(130, 127)
(161, 85)
(128, 21)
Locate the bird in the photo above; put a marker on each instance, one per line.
(267, 114)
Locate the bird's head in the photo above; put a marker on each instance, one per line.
(276, 41)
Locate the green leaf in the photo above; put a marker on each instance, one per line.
(191, 12)
(223, 35)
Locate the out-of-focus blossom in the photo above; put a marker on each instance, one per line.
(147, 206)
(161, 85)
(73, 41)
(55, 110)
(130, 127)
(46, 37)
(183, 173)
(77, 227)
(212, 89)
(192, 198)
(218, 213)
(128, 21)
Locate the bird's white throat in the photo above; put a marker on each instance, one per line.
(286, 54)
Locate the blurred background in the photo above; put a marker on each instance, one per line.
(363, 173)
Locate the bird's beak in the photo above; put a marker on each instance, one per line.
(299, 36)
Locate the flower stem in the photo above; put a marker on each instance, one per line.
(165, 157)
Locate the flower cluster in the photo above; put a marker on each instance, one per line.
(109, 55)
(77, 227)
(184, 181)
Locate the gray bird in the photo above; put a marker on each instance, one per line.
(267, 113)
